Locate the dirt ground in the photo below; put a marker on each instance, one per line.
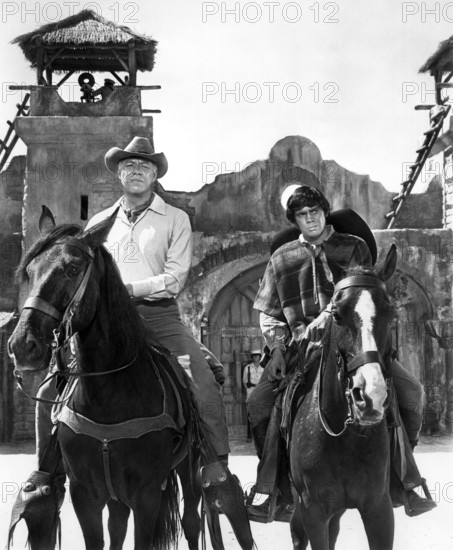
(431, 531)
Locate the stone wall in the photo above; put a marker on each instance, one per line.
(11, 200)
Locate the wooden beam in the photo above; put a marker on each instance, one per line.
(123, 63)
(157, 87)
(66, 76)
(132, 65)
(27, 87)
(56, 54)
(39, 60)
(120, 80)
(448, 77)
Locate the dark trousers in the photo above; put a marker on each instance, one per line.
(409, 393)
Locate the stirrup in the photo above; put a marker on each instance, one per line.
(422, 505)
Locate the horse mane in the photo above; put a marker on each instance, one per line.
(42, 244)
(126, 329)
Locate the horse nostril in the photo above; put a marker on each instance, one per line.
(10, 348)
(32, 346)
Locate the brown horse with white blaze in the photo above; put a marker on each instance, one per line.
(339, 445)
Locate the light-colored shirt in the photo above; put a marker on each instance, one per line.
(254, 372)
(153, 254)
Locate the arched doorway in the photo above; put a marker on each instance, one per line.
(231, 331)
(417, 350)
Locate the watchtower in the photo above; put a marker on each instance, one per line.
(66, 140)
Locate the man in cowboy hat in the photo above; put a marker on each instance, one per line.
(151, 243)
(294, 294)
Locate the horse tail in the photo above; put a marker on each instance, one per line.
(168, 522)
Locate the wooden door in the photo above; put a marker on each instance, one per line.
(232, 331)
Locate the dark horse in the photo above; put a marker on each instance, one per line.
(119, 428)
(339, 446)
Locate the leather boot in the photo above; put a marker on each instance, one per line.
(259, 435)
(38, 503)
(259, 438)
(222, 493)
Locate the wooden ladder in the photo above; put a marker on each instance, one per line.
(438, 113)
(9, 141)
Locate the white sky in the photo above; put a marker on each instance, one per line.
(361, 55)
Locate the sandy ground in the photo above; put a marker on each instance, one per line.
(432, 531)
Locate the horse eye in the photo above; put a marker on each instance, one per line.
(74, 271)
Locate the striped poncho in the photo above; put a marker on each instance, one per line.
(288, 291)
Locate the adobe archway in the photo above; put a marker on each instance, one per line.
(231, 330)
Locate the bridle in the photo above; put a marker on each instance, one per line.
(349, 366)
(65, 319)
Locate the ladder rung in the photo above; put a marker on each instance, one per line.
(438, 115)
(422, 149)
(432, 130)
(398, 197)
(390, 214)
(9, 123)
(406, 183)
(414, 166)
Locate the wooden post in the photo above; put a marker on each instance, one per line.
(49, 76)
(132, 64)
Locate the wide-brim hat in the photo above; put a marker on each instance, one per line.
(139, 147)
(108, 81)
(345, 220)
(255, 352)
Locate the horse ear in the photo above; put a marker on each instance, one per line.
(97, 235)
(46, 220)
(388, 268)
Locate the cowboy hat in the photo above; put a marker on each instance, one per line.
(255, 352)
(343, 221)
(139, 147)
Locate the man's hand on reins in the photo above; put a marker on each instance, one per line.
(276, 368)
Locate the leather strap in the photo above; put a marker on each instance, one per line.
(363, 358)
(129, 429)
(35, 302)
(367, 281)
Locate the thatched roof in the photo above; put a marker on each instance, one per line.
(442, 59)
(88, 40)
